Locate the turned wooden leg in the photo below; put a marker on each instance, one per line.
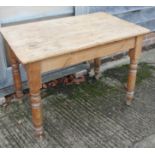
(131, 80)
(34, 81)
(134, 55)
(15, 72)
(97, 63)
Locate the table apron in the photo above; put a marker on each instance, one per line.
(73, 58)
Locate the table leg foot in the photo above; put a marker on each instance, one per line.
(128, 102)
(39, 133)
(129, 97)
(98, 76)
(37, 120)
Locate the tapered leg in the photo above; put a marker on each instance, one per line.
(34, 81)
(131, 78)
(15, 72)
(134, 55)
(97, 63)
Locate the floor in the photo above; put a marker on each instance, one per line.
(92, 114)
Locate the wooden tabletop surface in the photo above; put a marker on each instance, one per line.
(40, 40)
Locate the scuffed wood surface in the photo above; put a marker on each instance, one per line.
(40, 40)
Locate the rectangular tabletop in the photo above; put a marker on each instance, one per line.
(46, 39)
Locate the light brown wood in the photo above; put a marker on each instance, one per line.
(40, 40)
(34, 82)
(134, 55)
(87, 54)
(53, 44)
(15, 72)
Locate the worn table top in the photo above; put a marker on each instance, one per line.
(40, 40)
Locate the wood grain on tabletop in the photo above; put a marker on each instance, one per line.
(44, 39)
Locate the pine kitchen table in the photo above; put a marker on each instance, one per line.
(53, 44)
